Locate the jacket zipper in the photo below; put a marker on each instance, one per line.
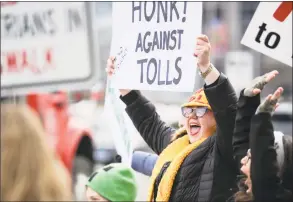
(159, 178)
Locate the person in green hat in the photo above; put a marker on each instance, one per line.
(114, 182)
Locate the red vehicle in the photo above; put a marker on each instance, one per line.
(74, 145)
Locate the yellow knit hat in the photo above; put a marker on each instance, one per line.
(198, 99)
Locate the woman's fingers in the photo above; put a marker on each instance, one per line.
(271, 75)
(109, 71)
(256, 91)
(261, 81)
(277, 105)
(271, 101)
(268, 99)
(203, 38)
(197, 53)
(113, 58)
(277, 94)
(200, 42)
(200, 47)
(110, 65)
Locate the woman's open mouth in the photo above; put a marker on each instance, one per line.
(194, 129)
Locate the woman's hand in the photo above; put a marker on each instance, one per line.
(110, 69)
(258, 83)
(202, 52)
(270, 104)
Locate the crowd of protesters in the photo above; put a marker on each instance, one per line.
(225, 150)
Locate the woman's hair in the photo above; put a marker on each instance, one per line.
(29, 169)
(286, 173)
(242, 195)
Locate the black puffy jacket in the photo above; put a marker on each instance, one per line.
(257, 133)
(266, 184)
(209, 172)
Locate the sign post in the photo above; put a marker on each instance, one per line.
(122, 127)
(239, 68)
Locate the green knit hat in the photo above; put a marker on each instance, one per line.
(114, 182)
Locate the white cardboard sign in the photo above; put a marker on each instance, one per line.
(270, 31)
(122, 128)
(45, 47)
(157, 40)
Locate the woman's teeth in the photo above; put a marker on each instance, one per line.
(194, 125)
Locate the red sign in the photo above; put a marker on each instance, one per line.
(283, 11)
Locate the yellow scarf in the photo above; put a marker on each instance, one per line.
(175, 152)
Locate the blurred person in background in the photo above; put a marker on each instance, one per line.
(267, 166)
(249, 100)
(144, 162)
(114, 182)
(195, 162)
(29, 169)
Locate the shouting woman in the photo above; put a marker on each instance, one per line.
(196, 162)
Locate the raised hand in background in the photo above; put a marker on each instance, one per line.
(271, 102)
(257, 84)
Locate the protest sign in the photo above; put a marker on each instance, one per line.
(270, 31)
(45, 47)
(122, 128)
(158, 39)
